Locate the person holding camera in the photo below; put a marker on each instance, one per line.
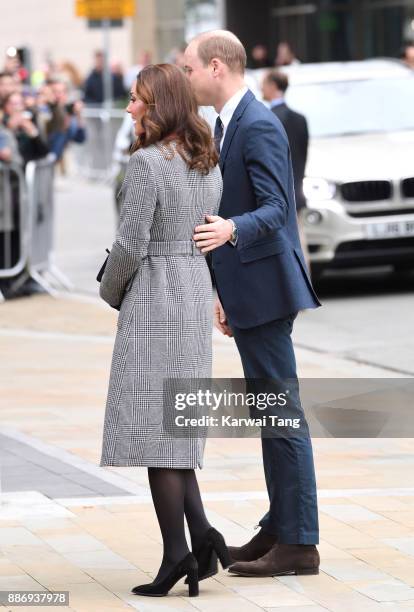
(64, 122)
(22, 123)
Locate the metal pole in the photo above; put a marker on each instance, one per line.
(107, 88)
(107, 76)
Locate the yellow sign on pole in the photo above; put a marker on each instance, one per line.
(105, 9)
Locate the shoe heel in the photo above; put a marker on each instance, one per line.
(224, 558)
(307, 572)
(221, 550)
(192, 579)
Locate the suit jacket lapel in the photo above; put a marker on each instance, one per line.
(233, 125)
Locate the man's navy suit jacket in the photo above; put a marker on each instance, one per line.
(264, 277)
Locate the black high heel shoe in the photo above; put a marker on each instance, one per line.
(187, 566)
(207, 553)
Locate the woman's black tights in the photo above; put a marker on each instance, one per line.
(175, 493)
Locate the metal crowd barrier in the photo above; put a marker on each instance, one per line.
(93, 158)
(41, 200)
(27, 225)
(14, 214)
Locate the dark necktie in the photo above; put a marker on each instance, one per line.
(218, 133)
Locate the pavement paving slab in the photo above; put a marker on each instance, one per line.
(66, 523)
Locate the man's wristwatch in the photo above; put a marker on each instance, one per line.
(233, 237)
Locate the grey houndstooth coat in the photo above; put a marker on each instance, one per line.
(162, 282)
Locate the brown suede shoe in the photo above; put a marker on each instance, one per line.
(281, 560)
(258, 546)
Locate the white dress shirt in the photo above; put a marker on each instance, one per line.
(226, 115)
(277, 102)
(228, 109)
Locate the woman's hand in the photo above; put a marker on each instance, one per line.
(220, 319)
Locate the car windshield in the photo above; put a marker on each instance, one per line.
(355, 107)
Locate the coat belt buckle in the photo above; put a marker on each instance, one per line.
(194, 249)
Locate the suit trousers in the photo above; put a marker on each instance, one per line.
(267, 352)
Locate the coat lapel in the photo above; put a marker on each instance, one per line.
(233, 125)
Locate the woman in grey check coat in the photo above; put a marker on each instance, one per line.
(161, 282)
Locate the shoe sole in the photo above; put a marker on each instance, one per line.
(200, 578)
(208, 575)
(150, 594)
(157, 595)
(300, 572)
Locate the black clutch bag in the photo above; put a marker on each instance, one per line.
(102, 270)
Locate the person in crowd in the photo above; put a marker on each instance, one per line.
(24, 144)
(5, 152)
(69, 73)
(274, 88)
(9, 149)
(7, 85)
(262, 283)
(66, 123)
(407, 54)
(260, 57)
(47, 70)
(9, 216)
(176, 55)
(13, 65)
(10, 230)
(144, 59)
(117, 72)
(172, 181)
(123, 142)
(285, 55)
(94, 84)
(22, 123)
(126, 133)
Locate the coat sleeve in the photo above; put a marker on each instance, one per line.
(267, 158)
(133, 235)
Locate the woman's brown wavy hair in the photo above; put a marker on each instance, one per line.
(172, 114)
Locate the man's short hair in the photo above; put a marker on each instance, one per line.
(278, 78)
(224, 46)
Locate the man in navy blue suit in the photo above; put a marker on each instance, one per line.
(262, 283)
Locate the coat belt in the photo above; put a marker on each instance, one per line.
(175, 247)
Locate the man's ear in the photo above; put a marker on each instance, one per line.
(215, 65)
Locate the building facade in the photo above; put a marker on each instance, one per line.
(50, 29)
(324, 30)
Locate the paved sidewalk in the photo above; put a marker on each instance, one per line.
(67, 524)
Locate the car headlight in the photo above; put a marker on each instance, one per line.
(318, 189)
(313, 217)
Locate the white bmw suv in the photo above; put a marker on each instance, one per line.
(359, 180)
